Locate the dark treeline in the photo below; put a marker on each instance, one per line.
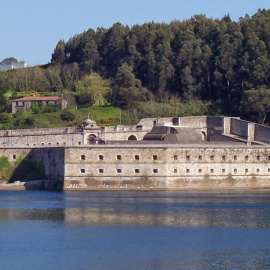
(223, 63)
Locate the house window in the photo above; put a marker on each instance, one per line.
(200, 157)
(119, 157)
(79, 143)
(268, 170)
(200, 170)
(82, 170)
(246, 158)
(119, 171)
(57, 143)
(154, 157)
(49, 143)
(223, 158)
(235, 170)
(212, 171)
(100, 157)
(82, 157)
(235, 158)
(64, 143)
(246, 170)
(223, 171)
(188, 157)
(137, 171)
(187, 170)
(14, 156)
(258, 157)
(175, 171)
(212, 157)
(175, 157)
(42, 144)
(155, 171)
(258, 170)
(101, 171)
(137, 157)
(268, 157)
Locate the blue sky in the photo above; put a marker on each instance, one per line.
(30, 29)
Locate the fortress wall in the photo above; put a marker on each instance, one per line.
(239, 127)
(166, 167)
(43, 140)
(52, 159)
(214, 121)
(194, 121)
(262, 133)
(38, 131)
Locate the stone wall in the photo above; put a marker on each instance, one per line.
(262, 133)
(166, 167)
(239, 127)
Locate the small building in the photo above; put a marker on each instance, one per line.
(4, 67)
(25, 104)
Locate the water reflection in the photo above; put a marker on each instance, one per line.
(192, 209)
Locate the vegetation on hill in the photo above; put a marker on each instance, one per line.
(197, 66)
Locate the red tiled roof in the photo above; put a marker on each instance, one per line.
(50, 98)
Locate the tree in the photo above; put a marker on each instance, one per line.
(256, 104)
(9, 61)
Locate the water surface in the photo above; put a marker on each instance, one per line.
(134, 230)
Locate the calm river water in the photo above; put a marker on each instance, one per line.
(134, 230)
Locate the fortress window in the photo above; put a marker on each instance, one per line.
(223, 158)
(234, 157)
(137, 171)
(155, 171)
(246, 170)
(212, 157)
(119, 171)
(223, 171)
(212, 171)
(258, 170)
(258, 157)
(82, 170)
(82, 157)
(200, 170)
(235, 170)
(246, 158)
(175, 157)
(137, 157)
(100, 157)
(154, 157)
(101, 171)
(14, 157)
(175, 171)
(200, 157)
(119, 157)
(188, 157)
(187, 170)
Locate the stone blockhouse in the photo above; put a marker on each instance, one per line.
(25, 104)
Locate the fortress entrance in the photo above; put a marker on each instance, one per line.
(91, 139)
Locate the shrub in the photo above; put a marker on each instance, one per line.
(67, 116)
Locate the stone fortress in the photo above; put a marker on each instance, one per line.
(157, 153)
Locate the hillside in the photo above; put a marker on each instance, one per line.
(197, 66)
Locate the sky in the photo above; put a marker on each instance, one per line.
(30, 29)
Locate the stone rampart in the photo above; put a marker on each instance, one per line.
(166, 166)
(262, 134)
(239, 127)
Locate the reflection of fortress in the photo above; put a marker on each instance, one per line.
(173, 152)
